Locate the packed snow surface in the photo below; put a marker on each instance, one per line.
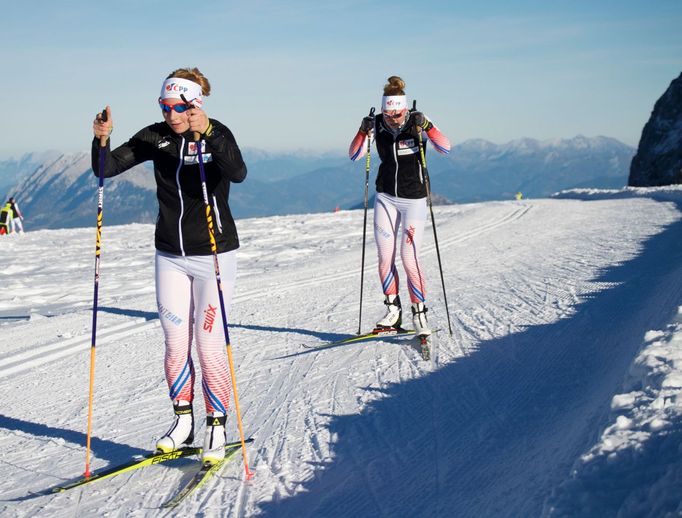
(559, 392)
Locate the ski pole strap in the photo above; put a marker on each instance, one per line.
(183, 410)
(219, 420)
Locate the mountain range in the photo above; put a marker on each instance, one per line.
(59, 190)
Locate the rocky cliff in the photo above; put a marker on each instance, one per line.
(659, 155)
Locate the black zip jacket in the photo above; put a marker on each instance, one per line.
(181, 227)
(400, 173)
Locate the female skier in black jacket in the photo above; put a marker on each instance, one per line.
(186, 289)
(400, 198)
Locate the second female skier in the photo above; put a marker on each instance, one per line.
(400, 205)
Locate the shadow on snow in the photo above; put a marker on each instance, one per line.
(100, 448)
(491, 434)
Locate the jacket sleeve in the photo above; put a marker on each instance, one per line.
(440, 142)
(358, 147)
(137, 150)
(225, 152)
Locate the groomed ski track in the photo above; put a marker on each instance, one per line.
(549, 301)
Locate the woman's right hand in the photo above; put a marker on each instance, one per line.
(367, 124)
(103, 128)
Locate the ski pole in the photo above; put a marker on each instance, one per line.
(364, 225)
(100, 215)
(427, 184)
(216, 266)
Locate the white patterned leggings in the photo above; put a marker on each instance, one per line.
(189, 309)
(390, 213)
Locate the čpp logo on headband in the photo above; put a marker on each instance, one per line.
(175, 87)
(393, 102)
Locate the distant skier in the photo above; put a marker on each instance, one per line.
(6, 217)
(186, 289)
(18, 217)
(400, 198)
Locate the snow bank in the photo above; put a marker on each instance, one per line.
(635, 468)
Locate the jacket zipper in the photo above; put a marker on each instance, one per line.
(395, 157)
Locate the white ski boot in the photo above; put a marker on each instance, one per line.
(214, 443)
(394, 315)
(421, 326)
(181, 433)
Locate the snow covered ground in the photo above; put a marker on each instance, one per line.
(558, 394)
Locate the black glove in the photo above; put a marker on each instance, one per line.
(419, 119)
(367, 124)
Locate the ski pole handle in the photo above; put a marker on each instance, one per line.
(419, 128)
(103, 118)
(369, 143)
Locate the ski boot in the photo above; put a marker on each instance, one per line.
(394, 315)
(181, 433)
(214, 443)
(421, 325)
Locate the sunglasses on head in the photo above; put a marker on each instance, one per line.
(179, 108)
(394, 116)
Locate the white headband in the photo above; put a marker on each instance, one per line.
(175, 87)
(393, 102)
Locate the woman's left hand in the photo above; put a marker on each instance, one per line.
(198, 120)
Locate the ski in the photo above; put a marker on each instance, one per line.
(200, 477)
(138, 462)
(375, 333)
(424, 346)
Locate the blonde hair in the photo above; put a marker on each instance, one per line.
(194, 75)
(395, 86)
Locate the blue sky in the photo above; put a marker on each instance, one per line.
(301, 74)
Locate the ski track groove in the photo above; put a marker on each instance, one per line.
(24, 361)
(274, 450)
